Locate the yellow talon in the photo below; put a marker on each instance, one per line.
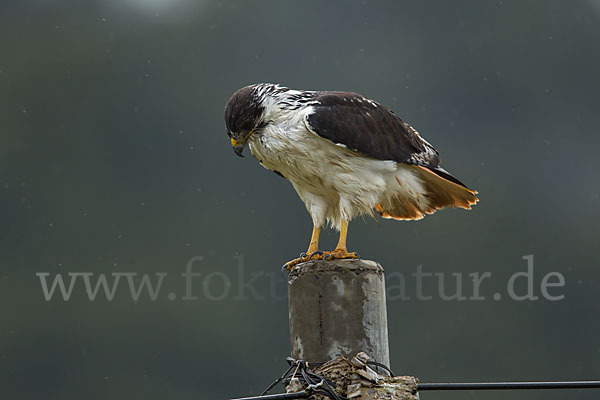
(312, 253)
(339, 254)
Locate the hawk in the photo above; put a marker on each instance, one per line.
(345, 155)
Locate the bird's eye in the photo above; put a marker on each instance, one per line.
(229, 134)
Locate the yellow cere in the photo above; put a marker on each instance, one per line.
(235, 142)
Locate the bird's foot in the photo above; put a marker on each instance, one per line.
(339, 254)
(315, 255)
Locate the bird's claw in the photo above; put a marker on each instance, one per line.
(319, 255)
(304, 257)
(340, 255)
(288, 266)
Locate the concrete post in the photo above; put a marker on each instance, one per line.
(338, 308)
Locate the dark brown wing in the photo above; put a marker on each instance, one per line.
(372, 129)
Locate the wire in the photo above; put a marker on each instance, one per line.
(284, 396)
(510, 385)
(272, 385)
(380, 365)
(456, 386)
(316, 384)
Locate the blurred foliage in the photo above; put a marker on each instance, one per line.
(114, 158)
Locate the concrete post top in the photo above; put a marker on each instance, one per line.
(334, 266)
(338, 308)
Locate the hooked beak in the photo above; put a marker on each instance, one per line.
(238, 145)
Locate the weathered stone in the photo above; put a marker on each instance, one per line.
(349, 383)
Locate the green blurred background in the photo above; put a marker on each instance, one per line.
(114, 158)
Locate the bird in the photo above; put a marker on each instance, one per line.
(346, 155)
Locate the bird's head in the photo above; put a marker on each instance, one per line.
(244, 116)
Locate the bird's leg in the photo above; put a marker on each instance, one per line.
(314, 241)
(341, 251)
(312, 253)
(341, 246)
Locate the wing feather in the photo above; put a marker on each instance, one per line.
(368, 127)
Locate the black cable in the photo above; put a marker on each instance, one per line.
(453, 386)
(315, 384)
(323, 384)
(510, 385)
(380, 365)
(284, 396)
(272, 385)
(327, 391)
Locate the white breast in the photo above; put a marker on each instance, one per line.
(333, 182)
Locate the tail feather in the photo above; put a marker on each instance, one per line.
(440, 190)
